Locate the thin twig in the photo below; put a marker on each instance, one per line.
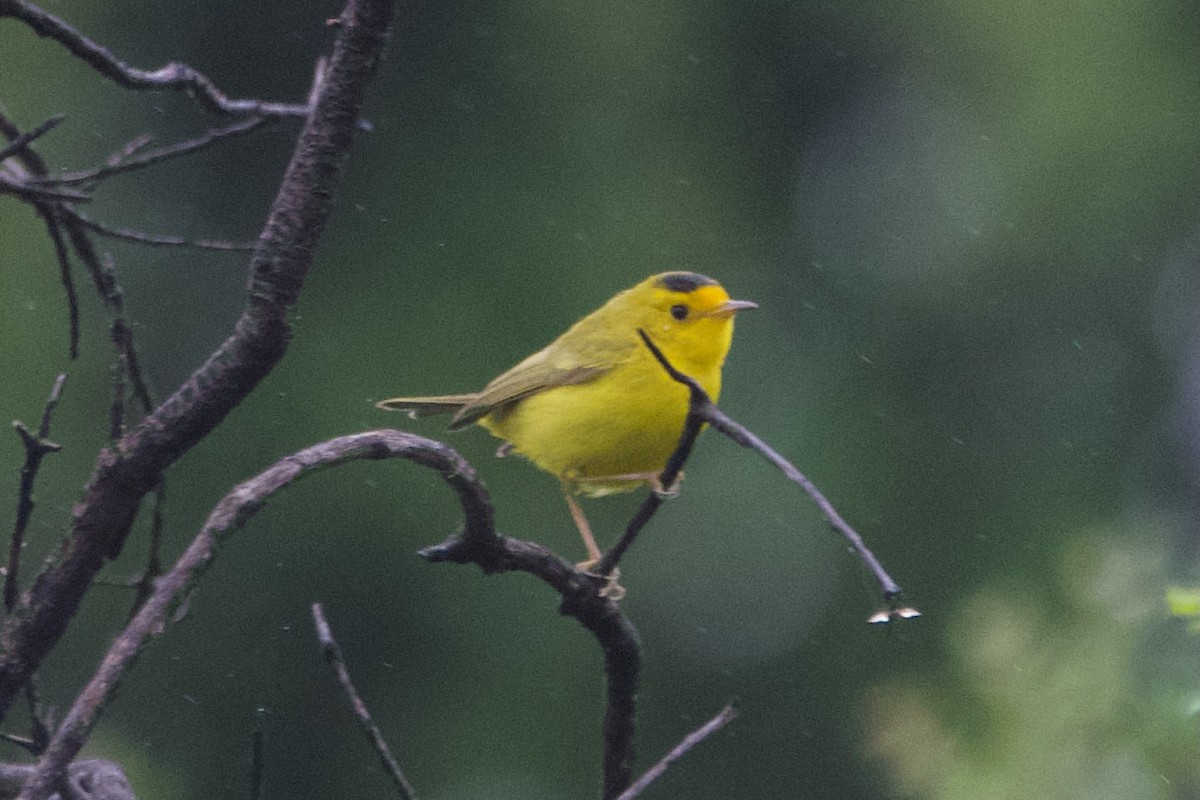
(21, 142)
(333, 655)
(723, 718)
(37, 446)
(29, 163)
(174, 76)
(24, 742)
(130, 235)
(41, 718)
(701, 409)
(145, 584)
(50, 216)
(36, 193)
(128, 364)
(125, 162)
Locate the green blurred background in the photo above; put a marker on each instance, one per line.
(972, 231)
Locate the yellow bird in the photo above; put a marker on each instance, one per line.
(594, 407)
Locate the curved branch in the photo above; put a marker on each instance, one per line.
(174, 76)
(234, 511)
(127, 471)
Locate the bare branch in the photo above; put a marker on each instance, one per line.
(37, 446)
(229, 515)
(126, 471)
(333, 654)
(723, 718)
(131, 235)
(174, 76)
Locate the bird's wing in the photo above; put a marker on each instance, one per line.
(518, 383)
(589, 349)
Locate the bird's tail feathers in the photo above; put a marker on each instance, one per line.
(427, 406)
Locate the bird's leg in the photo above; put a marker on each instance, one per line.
(612, 590)
(585, 532)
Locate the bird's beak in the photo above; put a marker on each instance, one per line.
(731, 307)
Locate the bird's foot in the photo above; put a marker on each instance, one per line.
(612, 590)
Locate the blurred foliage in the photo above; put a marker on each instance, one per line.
(972, 231)
(1094, 699)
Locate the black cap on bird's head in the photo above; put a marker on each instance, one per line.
(684, 282)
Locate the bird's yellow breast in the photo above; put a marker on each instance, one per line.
(624, 422)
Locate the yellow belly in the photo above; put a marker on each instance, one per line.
(625, 422)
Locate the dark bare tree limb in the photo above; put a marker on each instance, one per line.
(126, 471)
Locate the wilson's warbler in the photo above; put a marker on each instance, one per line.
(594, 407)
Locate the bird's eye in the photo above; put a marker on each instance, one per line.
(679, 311)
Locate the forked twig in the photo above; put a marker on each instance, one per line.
(126, 161)
(333, 655)
(37, 446)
